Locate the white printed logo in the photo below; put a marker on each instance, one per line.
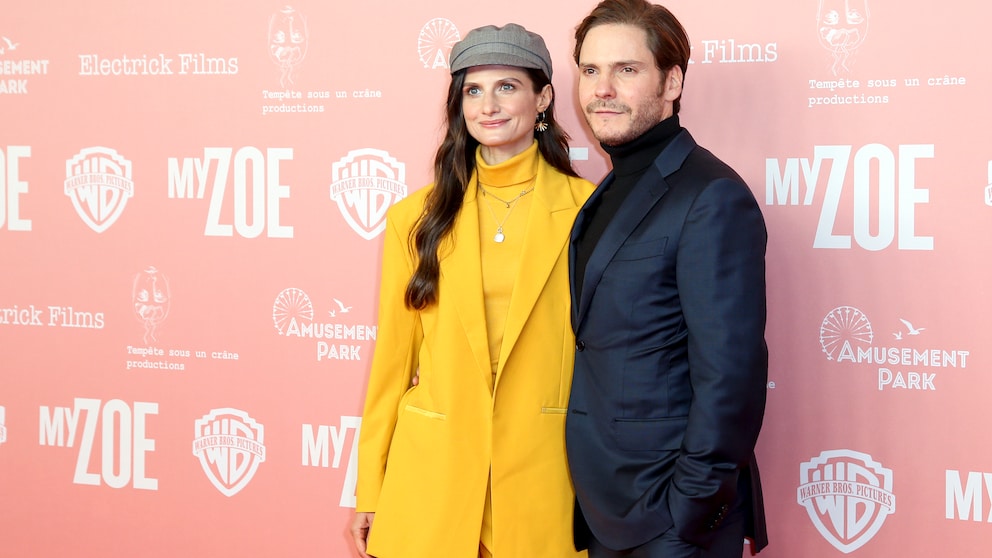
(290, 308)
(229, 444)
(843, 329)
(3, 424)
(8, 46)
(365, 183)
(16, 69)
(98, 181)
(965, 494)
(988, 189)
(434, 43)
(326, 438)
(250, 174)
(289, 39)
(846, 336)
(151, 299)
(848, 495)
(340, 338)
(876, 212)
(111, 433)
(842, 28)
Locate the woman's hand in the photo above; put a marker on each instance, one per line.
(360, 528)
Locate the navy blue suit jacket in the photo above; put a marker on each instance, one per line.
(671, 365)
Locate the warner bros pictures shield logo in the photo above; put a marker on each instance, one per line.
(229, 444)
(98, 181)
(848, 495)
(365, 183)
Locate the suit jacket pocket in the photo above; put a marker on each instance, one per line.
(427, 413)
(641, 249)
(656, 434)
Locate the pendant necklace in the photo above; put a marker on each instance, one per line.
(510, 205)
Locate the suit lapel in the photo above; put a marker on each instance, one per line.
(548, 224)
(639, 202)
(644, 196)
(577, 229)
(461, 271)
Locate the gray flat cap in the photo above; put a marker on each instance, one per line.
(510, 45)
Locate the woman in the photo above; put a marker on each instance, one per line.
(474, 300)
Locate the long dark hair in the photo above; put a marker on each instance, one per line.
(453, 167)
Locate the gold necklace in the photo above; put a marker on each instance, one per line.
(510, 205)
(520, 195)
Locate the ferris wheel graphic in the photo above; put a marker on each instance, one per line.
(290, 305)
(842, 326)
(437, 36)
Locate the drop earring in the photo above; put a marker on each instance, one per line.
(542, 124)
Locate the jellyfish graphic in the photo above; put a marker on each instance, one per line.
(842, 27)
(288, 41)
(151, 299)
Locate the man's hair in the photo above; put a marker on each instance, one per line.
(667, 39)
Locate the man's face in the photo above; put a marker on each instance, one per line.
(621, 89)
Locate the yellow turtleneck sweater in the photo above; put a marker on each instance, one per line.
(500, 185)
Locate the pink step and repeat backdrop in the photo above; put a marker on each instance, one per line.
(191, 206)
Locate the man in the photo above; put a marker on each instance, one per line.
(668, 308)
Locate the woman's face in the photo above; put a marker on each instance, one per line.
(500, 109)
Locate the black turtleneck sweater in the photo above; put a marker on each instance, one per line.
(630, 161)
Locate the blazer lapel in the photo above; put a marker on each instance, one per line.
(648, 191)
(461, 271)
(577, 228)
(548, 225)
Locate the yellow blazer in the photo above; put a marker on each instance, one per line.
(425, 453)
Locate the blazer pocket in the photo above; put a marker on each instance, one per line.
(426, 413)
(641, 250)
(659, 434)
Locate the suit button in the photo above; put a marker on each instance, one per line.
(580, 345)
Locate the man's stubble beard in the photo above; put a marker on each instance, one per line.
(649, 114)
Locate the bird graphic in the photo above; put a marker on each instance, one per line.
(912, 330)
(10, 45)
(331, 312)
(343, 309)
(898, 334)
